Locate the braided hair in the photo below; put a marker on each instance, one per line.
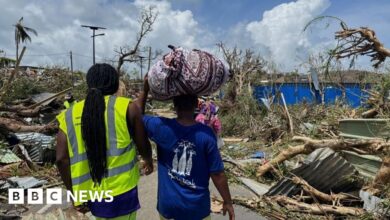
(102, 79)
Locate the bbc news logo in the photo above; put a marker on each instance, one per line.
(54, 196)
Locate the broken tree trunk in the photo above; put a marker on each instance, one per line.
(318, 194)
(317, 209)
(13, 125)
(286, 154)
(21, 110)
(33, 110)
(370, 113)
(370, 146)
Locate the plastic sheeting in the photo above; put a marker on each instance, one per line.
(296, 93)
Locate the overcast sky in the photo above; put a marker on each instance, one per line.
(271, 27)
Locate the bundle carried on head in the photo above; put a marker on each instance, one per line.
(183, 72)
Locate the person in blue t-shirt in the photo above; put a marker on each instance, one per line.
(187, 157)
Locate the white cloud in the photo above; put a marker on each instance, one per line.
(58, 25)
(280, 29)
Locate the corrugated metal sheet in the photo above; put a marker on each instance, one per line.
(367, 165)
(43, 96)
(22, 182)
(364, 128)
(7, 157)
(318, 154)
(327, 173)
(34, 138)
(36, 144)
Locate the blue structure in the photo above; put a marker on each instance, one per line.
(295, 93)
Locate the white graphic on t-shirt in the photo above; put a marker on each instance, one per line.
(189, 163)
(175, 161)
(182, 167)
(183, 159)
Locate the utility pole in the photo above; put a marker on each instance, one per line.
(71, 67)
(93, 28)
(150, 57)
(141, 58)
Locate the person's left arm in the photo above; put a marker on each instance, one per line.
(218, 176)
(221, 183)
(63, 165)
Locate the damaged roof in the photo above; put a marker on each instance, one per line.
(328, 172)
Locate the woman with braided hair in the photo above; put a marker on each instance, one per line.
(97, 147)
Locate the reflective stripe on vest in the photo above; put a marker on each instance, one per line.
(111, 172)
(113, 145)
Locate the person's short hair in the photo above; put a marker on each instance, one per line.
(185, 102)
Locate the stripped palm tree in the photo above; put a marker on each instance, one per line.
(21, 35)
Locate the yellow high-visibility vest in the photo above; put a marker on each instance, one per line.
(68, 104)
(122, 169)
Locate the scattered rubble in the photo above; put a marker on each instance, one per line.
(22, 182)
(328, 172)
(314, 160)
(7, 157)
(27, 128)
(333, 164)
(258, 188)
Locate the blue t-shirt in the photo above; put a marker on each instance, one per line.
(186, 157)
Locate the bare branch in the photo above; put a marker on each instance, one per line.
(127, 54)
(243, 65)
(360, 41)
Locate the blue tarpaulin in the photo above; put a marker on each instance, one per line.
(296, 93)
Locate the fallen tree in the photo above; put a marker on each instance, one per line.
(372, 146)
(21, 110)
(359, 146)
(13, 125)
(332, 198)
(317, 209)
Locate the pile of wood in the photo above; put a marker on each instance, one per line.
(13, 116)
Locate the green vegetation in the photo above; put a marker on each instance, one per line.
(49, 80)
(243, 119)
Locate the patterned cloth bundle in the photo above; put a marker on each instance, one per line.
(182, 72)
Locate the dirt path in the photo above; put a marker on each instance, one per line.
(148, 199)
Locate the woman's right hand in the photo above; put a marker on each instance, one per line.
(147, 166)
(146, 85)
